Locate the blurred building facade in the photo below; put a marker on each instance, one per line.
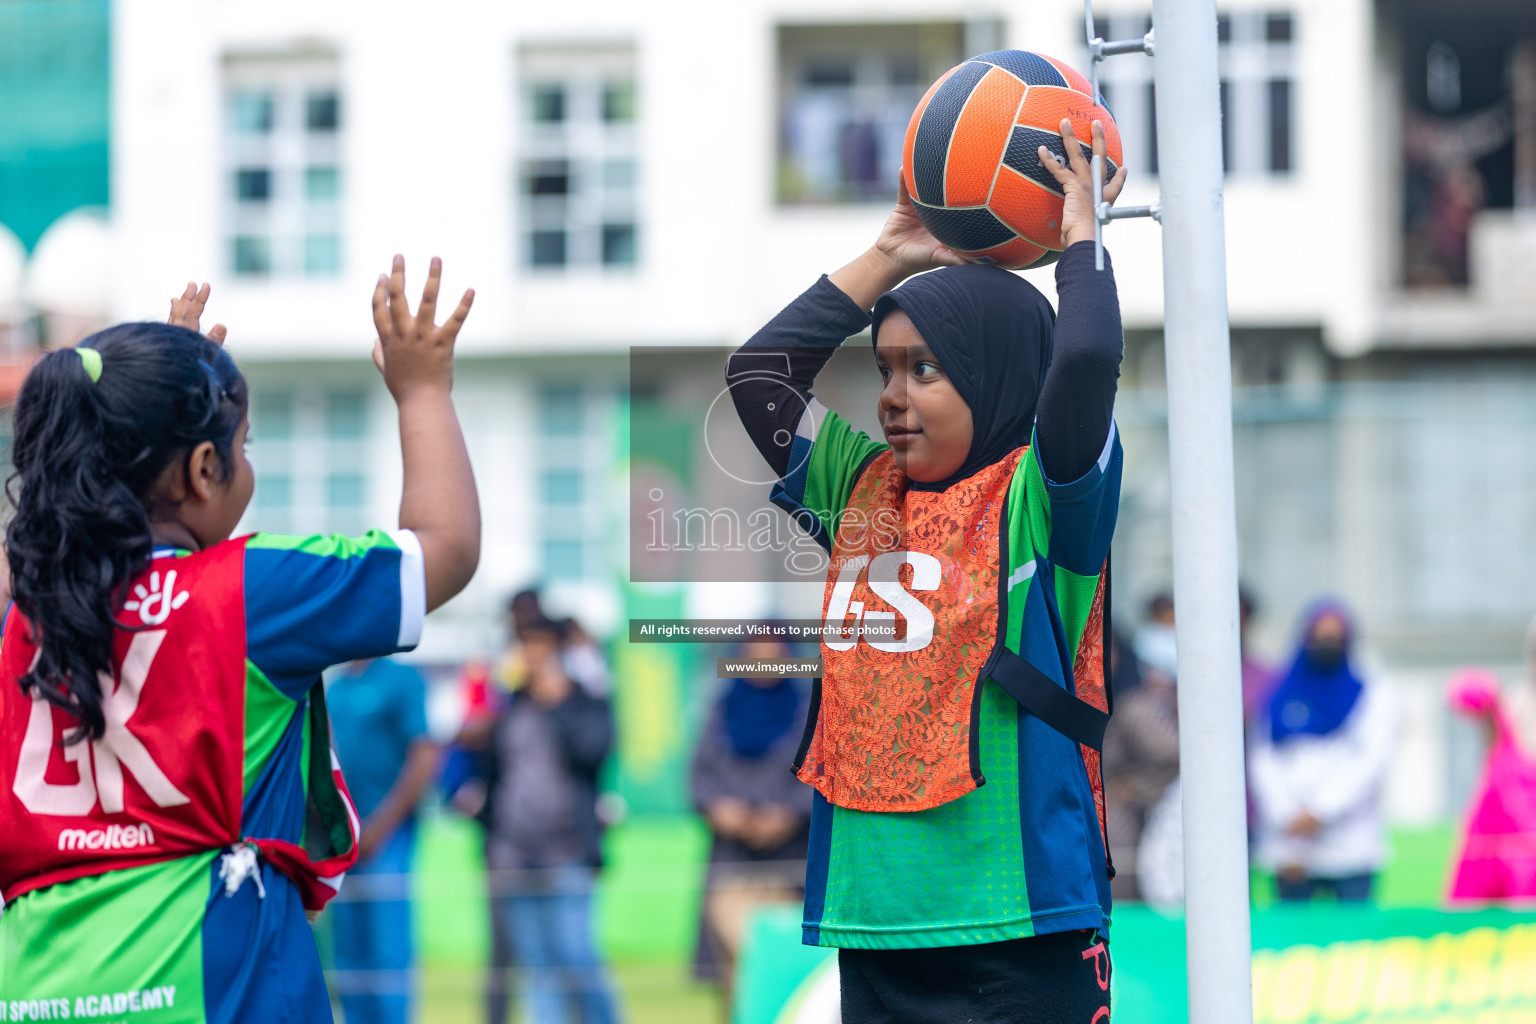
(614, 175)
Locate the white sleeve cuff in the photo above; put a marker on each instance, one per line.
(413, 589)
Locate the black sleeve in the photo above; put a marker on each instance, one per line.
(585, 725)
(770, 376)
(1077, 400)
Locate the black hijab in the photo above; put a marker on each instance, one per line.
(991, 331)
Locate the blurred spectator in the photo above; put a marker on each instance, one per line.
(544, 749)
(378, 712)
(1317, 766)
(1443, 189)
(463, 782)
(583, 659)
(1156, 646)
(758, 812)
(1141, 746)
(1497, 859)
(1124, 667)
(486, 689)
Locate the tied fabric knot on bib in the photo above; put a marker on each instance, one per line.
(894, 730)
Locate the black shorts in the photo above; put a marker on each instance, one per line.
(1049, 979)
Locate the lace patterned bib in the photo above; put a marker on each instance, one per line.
(894, 728)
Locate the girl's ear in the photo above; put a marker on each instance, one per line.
(204, 471)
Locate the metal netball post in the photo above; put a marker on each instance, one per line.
(1197, 352)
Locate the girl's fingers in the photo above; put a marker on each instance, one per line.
(456, 321)
(1113, 188)
(217, 333)
(1074, 151)
(378, 354)
(428, 308)
(197, 304)
(1062, 175)
(399, 309)
(381, 306)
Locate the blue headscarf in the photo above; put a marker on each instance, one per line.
(1315, 698)
(757, 717)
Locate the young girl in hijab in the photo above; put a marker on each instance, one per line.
(1317, 766)
(957, 855)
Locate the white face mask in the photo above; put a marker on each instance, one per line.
(1158, 650)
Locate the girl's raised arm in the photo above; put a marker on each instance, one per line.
(1077, 398)
(439, 503)
(792, 348)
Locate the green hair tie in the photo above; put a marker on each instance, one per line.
(91, 360)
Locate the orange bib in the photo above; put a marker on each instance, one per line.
(894, 730)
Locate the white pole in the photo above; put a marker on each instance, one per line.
(1204, 521)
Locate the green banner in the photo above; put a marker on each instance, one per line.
(1322, 964)
(654, 696)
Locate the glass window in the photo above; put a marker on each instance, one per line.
(253, 184)
(252, 256)
(561, 412)
(322, 184)
(846, 95)
(274, 490)
(618, 244)
(344, 490)
(322, 111)
(571, 474)
(346, 415)
(272, 412)
(562, 487)
(322, 255)
(282, 152)
(1280, 125)
(251, 112)
(619, 102)
(1258, 61)
(548, 103)
(547, 248)
(562, 559)
(577, 158)
(619, 175)
(549, 178)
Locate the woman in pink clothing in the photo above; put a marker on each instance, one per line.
(1497, 860)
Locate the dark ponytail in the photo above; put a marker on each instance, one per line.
(87, 456)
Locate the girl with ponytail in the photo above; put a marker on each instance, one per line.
(170, 806)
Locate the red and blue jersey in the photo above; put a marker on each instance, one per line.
(132, 884)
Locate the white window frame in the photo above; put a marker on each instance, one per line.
(590, 146)
(1248, 62)
(289, 218)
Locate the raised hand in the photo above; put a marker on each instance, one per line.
(187, 311)
(412, 350)
(1076, 181)
(907, 243)
(904, 247)
(438, 503)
